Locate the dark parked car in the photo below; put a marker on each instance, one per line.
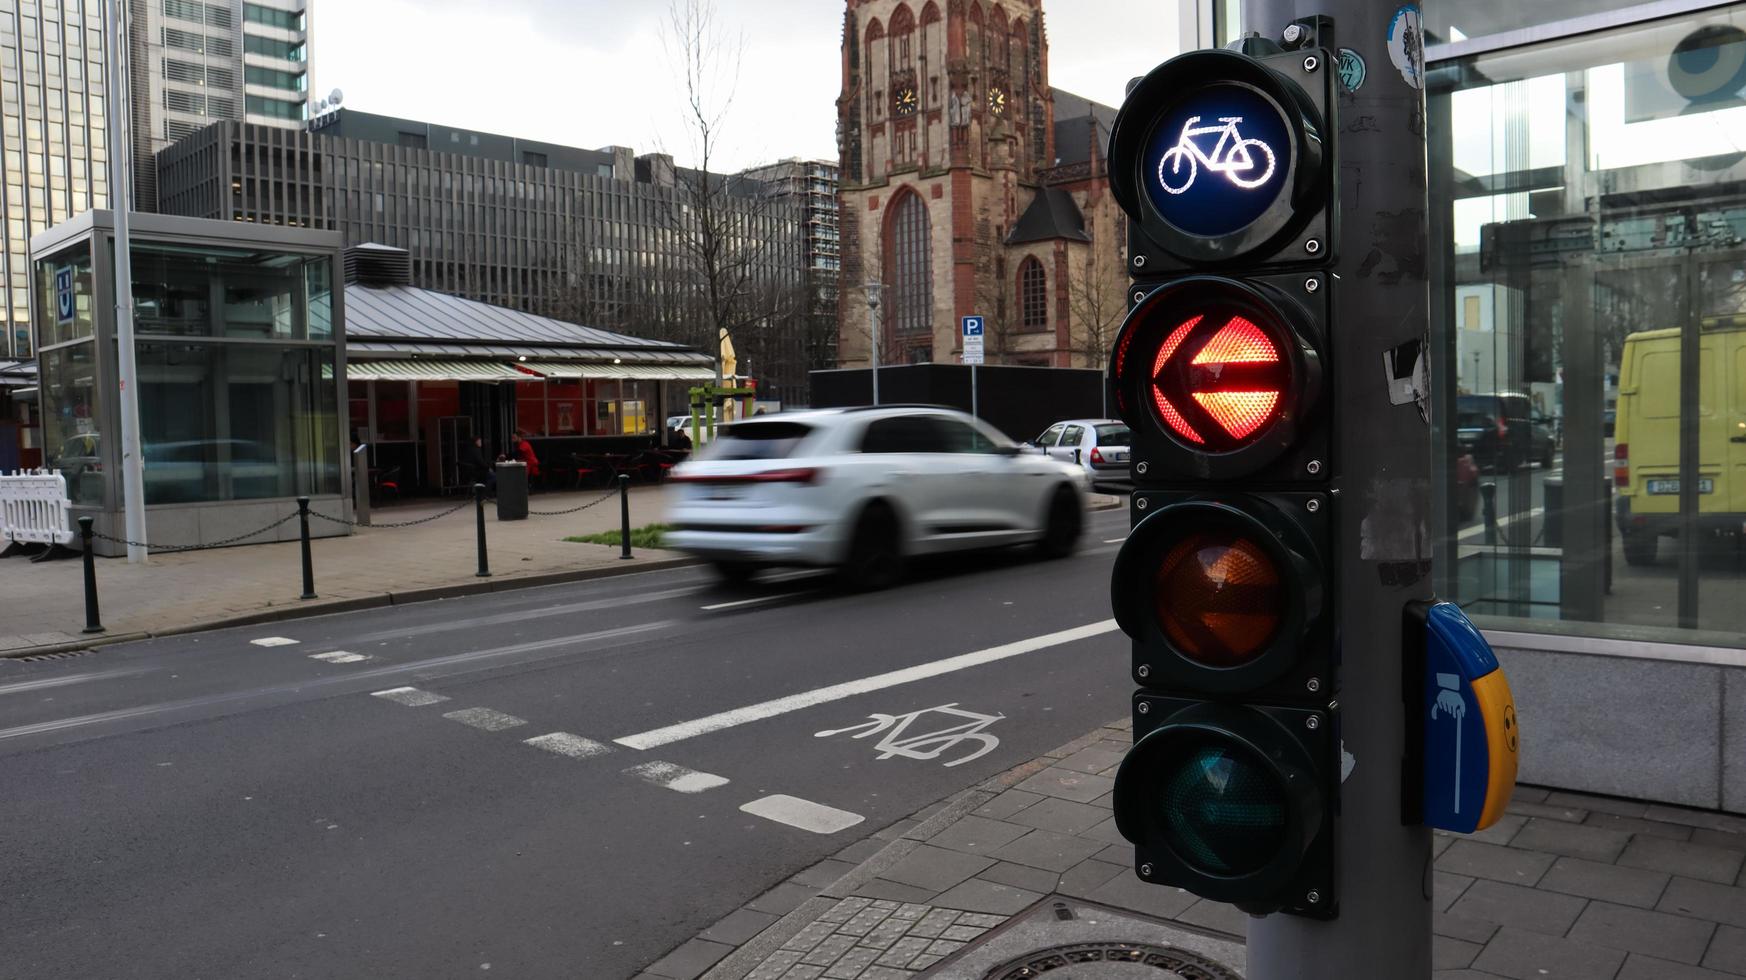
(1504, 431)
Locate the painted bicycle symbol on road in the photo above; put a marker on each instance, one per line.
(1233, 155)
(930, 744)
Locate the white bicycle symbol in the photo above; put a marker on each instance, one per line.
(928, 745)
(1232, 155)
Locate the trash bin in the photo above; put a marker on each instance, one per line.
(512, 491)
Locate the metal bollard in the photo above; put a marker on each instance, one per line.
(624, 515)
(93, 624)
(1488, 507)
(479, 513)
(308, 561)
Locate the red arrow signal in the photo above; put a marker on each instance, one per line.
(1219, 384)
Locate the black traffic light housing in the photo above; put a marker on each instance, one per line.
(1224, 163)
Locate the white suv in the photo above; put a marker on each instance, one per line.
(860, 490)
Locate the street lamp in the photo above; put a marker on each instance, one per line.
(873, 289)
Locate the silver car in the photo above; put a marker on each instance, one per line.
(1098, 446)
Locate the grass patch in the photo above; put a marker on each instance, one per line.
(647, 536)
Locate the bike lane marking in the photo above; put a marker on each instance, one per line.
(808, 816)
(878, 682)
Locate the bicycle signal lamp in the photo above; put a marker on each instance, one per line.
(1219, 156)
(1224, 586)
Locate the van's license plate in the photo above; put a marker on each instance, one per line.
(1667, 488)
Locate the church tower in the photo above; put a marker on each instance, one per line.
(970, 186)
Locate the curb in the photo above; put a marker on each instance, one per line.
(924, 824)
(327, 607)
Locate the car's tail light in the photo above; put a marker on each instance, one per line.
(1096, 457)
(1621, 465)
(804, 475)
(1503, 428)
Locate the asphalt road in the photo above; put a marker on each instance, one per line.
(208, 806)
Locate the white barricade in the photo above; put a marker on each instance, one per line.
(34, 508)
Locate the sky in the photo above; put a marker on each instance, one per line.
(593, 73)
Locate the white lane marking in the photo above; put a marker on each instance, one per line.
(340, 657)
(485, 719)
(412, 697)
(1114, 540)
(836, 692)
(522, 615)
(805, 814)
(676, 777)
(453, 665)
(47, 682)
(564, 743)
(750, 602)
(969, 726)
(274, 641)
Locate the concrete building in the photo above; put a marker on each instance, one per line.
(191, 62)
(972, 187)
(598, 237)
(809, 189)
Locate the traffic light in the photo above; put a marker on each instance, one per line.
(1223, 163)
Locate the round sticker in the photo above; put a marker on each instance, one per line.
(1406, 46)
(1218, 160)
(1352, 70)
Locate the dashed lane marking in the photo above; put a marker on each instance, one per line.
(805, 814)
(750, 602)
(412, 697)
(485, 719)
(274, 641)
(564, 743)
(339, 657)
(836, 692)
(676, 777)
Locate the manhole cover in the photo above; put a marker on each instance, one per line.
(1141, 961)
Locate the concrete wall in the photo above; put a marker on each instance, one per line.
(1625, 718)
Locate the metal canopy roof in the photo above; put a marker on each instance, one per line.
(432, 370)
(384, 349)
(628, 372)
(424, 316)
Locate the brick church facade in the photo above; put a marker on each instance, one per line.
(971, 187)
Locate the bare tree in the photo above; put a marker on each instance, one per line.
(730, 229)
(993, 304)
(1097, 299)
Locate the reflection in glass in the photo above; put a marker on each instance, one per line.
(72, 420)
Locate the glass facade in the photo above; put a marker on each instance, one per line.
(65, 296)
(72, 419)
(199, 291)
(1590, 307)
(52, 128)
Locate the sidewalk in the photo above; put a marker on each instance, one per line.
(1564, 887)
(44, 606)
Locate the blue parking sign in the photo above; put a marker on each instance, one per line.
(972, 326)
(64, 308)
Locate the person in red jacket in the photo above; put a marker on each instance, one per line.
(524, 453)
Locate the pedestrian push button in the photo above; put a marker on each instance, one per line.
(1468, 718)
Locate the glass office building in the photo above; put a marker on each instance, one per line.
(239, 351)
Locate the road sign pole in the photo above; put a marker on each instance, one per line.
(974, 411)
(120, 180)
(1382, 513)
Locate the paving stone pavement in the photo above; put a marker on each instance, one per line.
(1565, 887)
(177, 592)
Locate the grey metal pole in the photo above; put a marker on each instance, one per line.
(120, 188)
(1383, 469)
(975, 410)
(873, 333)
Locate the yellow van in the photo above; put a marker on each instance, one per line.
(1646, 450)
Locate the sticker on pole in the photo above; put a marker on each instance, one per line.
(1469, 717)
(972, 328)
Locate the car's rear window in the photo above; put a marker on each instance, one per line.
(1485, 405)
(757, 440)
(1112, 435)
(1472, 420)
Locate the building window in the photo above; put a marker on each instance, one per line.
(274, 78)
(283, 50)
(533, 159)
(276, 108)
(910, 258)
(1033, 295)
(289, 20)
(417, 141)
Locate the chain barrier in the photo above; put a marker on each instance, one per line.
(603, 498)
(164, 548)
(412, 523)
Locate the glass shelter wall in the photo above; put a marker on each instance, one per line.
(1590, 307)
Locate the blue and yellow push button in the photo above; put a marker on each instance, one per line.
(1468, 717)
